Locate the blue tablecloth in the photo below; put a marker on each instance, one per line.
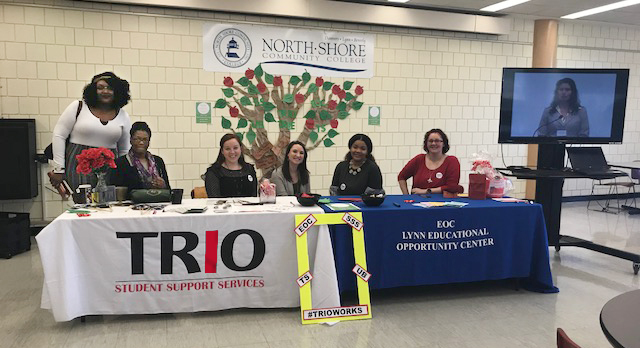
(409, 245)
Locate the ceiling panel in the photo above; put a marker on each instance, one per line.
(544, 8)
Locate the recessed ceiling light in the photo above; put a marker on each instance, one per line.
(502, 5)
(605, 8)
(398, 1)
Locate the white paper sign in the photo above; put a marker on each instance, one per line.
(287, 51)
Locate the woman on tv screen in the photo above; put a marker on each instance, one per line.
(565, 117)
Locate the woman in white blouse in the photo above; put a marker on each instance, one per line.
(96, 121)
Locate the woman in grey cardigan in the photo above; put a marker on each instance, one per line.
(293, 177)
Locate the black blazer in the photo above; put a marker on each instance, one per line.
(126, 175)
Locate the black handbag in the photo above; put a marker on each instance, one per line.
(48, 151)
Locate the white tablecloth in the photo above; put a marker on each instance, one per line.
(89, 270)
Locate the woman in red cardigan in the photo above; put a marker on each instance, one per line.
(431, 171)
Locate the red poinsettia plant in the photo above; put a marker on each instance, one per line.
(95, 160)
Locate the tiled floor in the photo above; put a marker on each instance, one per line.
(470, 315)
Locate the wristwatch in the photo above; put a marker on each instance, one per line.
(428, 191)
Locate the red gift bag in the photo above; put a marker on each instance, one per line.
(478, 186)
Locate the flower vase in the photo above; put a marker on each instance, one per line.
(103, 193)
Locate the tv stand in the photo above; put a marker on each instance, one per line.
(549, 182)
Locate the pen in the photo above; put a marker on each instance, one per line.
(396, 204)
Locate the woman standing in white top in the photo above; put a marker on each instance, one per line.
(97, 121)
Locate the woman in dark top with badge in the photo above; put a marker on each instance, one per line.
(139, 169)
(230, 175)
(359, 171)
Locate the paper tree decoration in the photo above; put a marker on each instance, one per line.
(259, 97)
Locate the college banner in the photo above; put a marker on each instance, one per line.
(170, 263)
(287, 51)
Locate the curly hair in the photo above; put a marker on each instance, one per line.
(120, 88)
(445, 140)
(140, 126)
(303, 172)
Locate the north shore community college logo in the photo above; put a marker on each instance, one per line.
(232, 47)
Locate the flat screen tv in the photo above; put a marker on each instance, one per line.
(563, 106)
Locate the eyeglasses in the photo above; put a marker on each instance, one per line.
(434, 141)
(104, 88)
(142, 140)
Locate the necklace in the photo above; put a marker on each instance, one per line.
(430, 175)
(353, 170)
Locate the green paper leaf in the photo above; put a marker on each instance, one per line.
(288, 98)
(291, 114)
(240, 135)
(282, 113)
(226, 124)
(328, 142)
(342, 115)
(221, 104)
(242, 123)
(357, 105)
(257, 124)
(325, 115)
(313, 136)
(253, 89)
(294, 80)
(268, 78)
(349, 96)
(245, 101)
(327, 85)
(251, 136)
(347, 85)
(332, 133)
(244, 81)
(269, 117)
(228, 92)
(306, 77)
(311, 114)
(268, 106)
(258, 71)
(312, 88)
(342, 106)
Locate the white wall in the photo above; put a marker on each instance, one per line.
(423, 79)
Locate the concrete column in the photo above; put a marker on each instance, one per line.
(545, 48)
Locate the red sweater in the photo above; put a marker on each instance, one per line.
(448, 174)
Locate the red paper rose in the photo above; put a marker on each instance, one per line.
(334, 123)
(277, 81)
(359, 90)
(332, 104)
(249, 74)
(300, 98)
(233, 111)
(342, 94)
(309, 123)
(261, 87)
(94, 160)
(319, 81)
(228, 81)
(335, 89)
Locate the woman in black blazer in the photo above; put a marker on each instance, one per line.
(139, 169)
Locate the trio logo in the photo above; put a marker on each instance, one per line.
(167, 252)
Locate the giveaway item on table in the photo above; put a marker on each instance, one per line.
(267, 192)
(342, 206)
(485, 181)
(308, 199)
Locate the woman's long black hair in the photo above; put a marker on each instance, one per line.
(120, 88)
(303, 172)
